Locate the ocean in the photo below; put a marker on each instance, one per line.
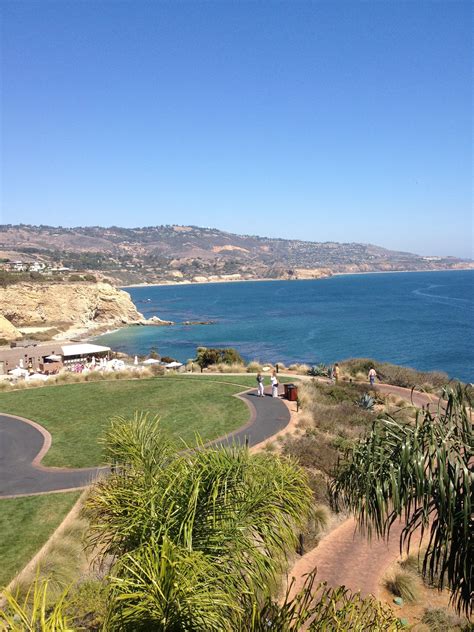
(422, 320)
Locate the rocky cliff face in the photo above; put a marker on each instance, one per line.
(7, 330)
(73, 307)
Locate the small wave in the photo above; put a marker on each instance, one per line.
(420, 292)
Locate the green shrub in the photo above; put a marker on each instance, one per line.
(207, 357)
(313, 449)
(403, 585)
(319, 486)
(87, 603)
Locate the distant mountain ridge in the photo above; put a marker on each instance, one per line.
(192, 253)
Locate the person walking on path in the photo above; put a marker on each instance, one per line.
(372, 376)
(274, 381)
(260, 387)
(336, 372)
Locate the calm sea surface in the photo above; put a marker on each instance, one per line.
(423, 320)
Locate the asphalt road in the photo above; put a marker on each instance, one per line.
(23, 445)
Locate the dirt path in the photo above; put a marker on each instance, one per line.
(345, 556)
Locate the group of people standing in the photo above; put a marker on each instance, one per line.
(261, 385)
(333, 373)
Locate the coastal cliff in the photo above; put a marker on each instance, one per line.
(72, 309)
(7, 330)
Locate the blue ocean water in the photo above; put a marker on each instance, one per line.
(423, 320)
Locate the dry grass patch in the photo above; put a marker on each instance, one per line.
(403, 584)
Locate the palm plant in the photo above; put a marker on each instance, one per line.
(34, 611)
(422, 474)
(192, 533)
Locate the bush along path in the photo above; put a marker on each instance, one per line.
(23, 444)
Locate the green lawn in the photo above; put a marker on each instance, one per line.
(25, 525)
(77, 414)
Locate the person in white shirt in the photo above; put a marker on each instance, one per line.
(274, 381)
(372, 376)
(260, 386)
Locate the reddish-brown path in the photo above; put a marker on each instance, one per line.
(345, 556)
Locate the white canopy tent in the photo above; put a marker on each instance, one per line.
(151, 361)
(84, 349)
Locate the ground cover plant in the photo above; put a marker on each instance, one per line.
(25, 525)
(77, 414)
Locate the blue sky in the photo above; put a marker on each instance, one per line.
(337, 121)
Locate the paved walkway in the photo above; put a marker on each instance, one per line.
(23, 444)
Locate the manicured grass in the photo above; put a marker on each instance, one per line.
(25, 525)
(76, 415)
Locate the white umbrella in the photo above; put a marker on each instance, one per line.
(37, 376)
(152, 361)
(136, 360)
(93, 361)
(21, 363)
(18, 372)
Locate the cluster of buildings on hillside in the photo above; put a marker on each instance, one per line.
(33, 266)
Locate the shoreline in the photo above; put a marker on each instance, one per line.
(259, 280)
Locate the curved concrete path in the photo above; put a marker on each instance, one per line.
(23, 444)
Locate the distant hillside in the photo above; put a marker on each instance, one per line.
(191, 253)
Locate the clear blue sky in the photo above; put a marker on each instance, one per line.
(344, 121)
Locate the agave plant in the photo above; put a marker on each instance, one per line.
(422, 474)
(320, 370)
(366, 402)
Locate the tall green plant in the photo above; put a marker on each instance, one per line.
(421, 474)
(33, 613)
(181, 524)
